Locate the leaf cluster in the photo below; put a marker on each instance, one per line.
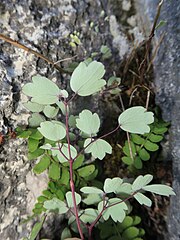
(59, 146)
(142, 146)
(127, 230)
(59, 177)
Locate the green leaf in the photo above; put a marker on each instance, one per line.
(144, 155)
(141, 181)
(160, 130)
(54, 171)
(24, 134)
(78, 162)
(36, 229)
(38, 205)
(112, 185)
(160, 24)
(89, 190)
(32, 144)
(64, 177)
(137, 163)
(116, 212)
(159, 189)
(137, 139)
(64, 152)
(36, 135)
(42, 165)
(128, 221)
(127, 160)
(114, 238)
(50, 111)
(60, 195)
(89, 215)
(33, 107)
(151, 146)
(136, 120)
(92, 198)
(130, 233)
(33, 155)
(86, 171)
(106, 51)
(35, 120)
(113, 81)
(88, 122)
(65, 234)
(37, 211)
(141, 232)
(98, 148)
(70, 200)
(136, 220)
(42, 90)
(52, 187)
(41, 199)
(56, 205)
(86, 80)
(54, 131)
(155, 138)
(142, 199)
(47, 194)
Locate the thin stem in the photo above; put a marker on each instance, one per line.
(109, 133)
(71, 98)
(128, 136)
(104, 208)
(94, 140)
(60, 149)
(71, 174)
(130, 148)
(147, 99)
(90, 228)
(29, 50)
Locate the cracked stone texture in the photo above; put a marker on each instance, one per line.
(167, 81)
(44, 25)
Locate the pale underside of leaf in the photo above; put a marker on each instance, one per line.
(42, 90)
(141, 181)
(98, 148)
(136, 120)
(33, 107)
(89, 190)
(56, 204)
(160, 189)
(86, 80)
(69, 199)
(88, 123)
(112, 185)
(142, 199)
(116, 212)
(52, 130)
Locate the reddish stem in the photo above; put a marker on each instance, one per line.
(71, 175)
(90, 228)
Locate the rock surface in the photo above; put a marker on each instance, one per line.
(167, 81)
(45, 25)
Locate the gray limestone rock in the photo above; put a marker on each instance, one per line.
(167, 81)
